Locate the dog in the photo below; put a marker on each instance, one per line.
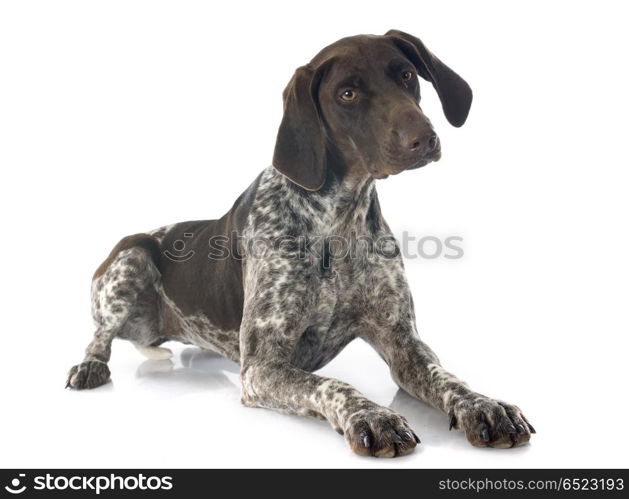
(266, 286)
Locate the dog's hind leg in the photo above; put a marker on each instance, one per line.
(124, 304)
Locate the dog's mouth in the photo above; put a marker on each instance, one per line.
(379, 175)
(432, 156)
(414, 165)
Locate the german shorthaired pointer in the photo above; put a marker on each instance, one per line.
(304, 262)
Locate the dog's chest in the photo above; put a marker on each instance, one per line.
(338, 302)
(321, 338)
(342, 267)
(329, 291)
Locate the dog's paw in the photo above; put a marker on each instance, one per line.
(89, 374)
(490, 423)
(380, 432)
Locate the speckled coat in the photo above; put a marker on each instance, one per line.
(297, 303)
(280, 284)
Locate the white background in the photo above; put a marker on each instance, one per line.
(118, 117)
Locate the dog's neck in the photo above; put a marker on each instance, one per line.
(343, 204)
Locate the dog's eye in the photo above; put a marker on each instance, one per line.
(348, 95)
(407, 75)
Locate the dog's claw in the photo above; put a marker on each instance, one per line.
(531, 428)
(417, 438)
(511, 429)
(520, 429)
(452, 422)
(485, 435)
(379, 432)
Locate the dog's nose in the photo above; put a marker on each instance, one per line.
(414, 132)
(417, 142)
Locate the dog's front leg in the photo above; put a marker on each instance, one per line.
(416, 369)
(274, 318)
(369, 429)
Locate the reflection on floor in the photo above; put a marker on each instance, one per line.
(199, 370)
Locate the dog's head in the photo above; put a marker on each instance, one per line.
(358, 101)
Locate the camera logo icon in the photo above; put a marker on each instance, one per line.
(15, 488)
(179, 246)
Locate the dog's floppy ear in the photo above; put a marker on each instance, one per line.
(455, 94)
(300, 145)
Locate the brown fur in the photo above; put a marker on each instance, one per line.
(141, 240)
